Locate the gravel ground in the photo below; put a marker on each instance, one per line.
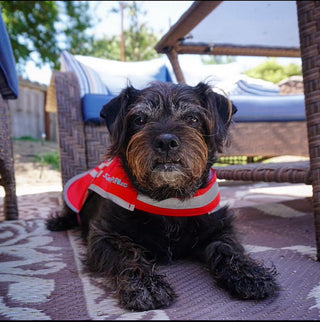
(33, 176)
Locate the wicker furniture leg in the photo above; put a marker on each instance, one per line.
(309, 29)
(7, 175)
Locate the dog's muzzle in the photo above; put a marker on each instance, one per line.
(166, 146)
(166, 143)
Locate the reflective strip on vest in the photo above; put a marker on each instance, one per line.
(110, 181)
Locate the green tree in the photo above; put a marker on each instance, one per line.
(139, 38)
(78, 22)
(106, 47)
(40, 30)
(271, 71)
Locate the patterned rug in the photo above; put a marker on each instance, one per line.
(42, 276)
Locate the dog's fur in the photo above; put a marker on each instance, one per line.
(166, 136)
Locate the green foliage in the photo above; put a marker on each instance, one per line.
(106, 47)
(223, 161)
(217, 59)
(271, 71)
(78, 20)
(26, 138)
(140, 41)
(139, 38)
(39, 30)
(51, 158)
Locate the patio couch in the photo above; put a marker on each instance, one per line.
(265, 125)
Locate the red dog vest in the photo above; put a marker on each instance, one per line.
(110, 181)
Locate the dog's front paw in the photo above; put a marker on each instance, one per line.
(255, 282)
(250, 281)
(239, 274)
(145, 293)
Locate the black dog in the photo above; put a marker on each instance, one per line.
(163, 144)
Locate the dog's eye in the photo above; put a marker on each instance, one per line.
(140, 120)
(192, 120)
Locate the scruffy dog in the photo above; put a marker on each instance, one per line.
(162, 200)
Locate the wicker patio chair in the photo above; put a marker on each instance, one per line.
(8, 90)
(81, 145)
(297, 172)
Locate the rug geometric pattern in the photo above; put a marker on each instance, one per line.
(42, 276)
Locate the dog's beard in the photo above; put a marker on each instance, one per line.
(179, 173)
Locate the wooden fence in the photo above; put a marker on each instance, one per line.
(28, 114)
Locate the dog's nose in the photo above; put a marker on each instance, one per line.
(166, 142)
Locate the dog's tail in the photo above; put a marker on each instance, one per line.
(62, 220)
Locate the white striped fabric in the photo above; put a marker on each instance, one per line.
(89, 80)
(256, 89)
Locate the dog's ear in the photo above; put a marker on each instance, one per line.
(224, 106)
(110, 111)
(117, 107)
(221, 109)
(113, 114)
(216, 102)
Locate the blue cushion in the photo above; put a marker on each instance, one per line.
(9, 84)
(92, 105)
(275, 108)
(282, 108)
(163, 75)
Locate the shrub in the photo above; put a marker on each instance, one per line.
(51, 158)
(273, 72)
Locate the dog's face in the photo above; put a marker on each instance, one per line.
(167, 135)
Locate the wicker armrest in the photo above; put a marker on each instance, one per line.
(293, 172)
(71, 133)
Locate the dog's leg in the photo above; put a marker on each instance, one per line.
(62, 220)
(138, 286)
(236, 271)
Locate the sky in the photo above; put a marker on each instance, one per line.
(160, 16)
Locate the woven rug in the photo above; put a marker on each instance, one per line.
(42, 276)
